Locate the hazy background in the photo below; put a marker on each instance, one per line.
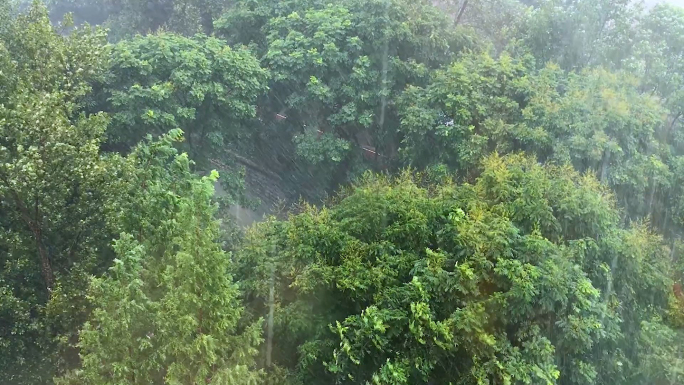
(675, 2)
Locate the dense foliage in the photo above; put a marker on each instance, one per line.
(53, 185)
(336, 72)
(535, 238)
(168, 310)
(519, 278)
(200, 85)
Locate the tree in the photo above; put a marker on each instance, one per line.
(54, 185)
(658, 54)
(537, 240)
(469, 109)
(496, 22)
(337, 70)
(580, 33)
(168, 310)
(94, 12)
(595, 120)
(658, 61)
(165, 81)
(602, 123)
(126, 18)
(525, 276)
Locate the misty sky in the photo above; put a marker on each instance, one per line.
(675, 2)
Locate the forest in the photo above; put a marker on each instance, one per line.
(316, 192)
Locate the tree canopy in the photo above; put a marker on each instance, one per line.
(518, 278)
(456, 192)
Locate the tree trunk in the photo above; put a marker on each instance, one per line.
(461, 11)
(269, 324)
(207, 19)
(650, 201)
(35, 227)
(45, 266)
(674, 121)
(604, 166)
(673, 257)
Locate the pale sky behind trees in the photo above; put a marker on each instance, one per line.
(675, 2)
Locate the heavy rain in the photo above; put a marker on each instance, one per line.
(361, 192)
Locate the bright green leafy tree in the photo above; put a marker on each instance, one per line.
(524, 277)
(540, 265)
(168, 311)
(658, 61)
(54, 185)
(595, 120)
(470, 108)
(165, 81)
(601, 122)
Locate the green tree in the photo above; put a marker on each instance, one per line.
(168, 311)
(498, 23)
(94, 12)
(524, 277)
(165, 81)
(54, 185)
(469, 109)
(603, 123)
(661, 347)
(580, 33)
(337, 70)
(595, 120)
(127, 18)
(657, 60)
